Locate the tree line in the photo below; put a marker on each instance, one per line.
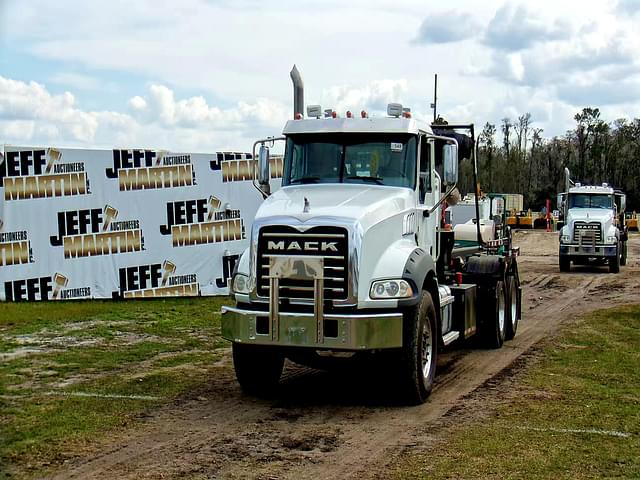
(526, 162)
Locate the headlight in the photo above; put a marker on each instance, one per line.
(612, 239)
(240, 284)
(390, 289)
(565, 239)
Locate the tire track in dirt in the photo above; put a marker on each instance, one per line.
(477, 367)
(326, 426)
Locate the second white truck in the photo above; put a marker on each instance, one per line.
(594, 228)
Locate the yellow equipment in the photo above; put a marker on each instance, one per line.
(632, 222)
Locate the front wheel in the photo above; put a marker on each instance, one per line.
(419, 350)
(565, 263)
(258, 369)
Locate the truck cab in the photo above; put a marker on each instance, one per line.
(349, 256)
(593, 228)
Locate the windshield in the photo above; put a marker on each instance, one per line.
(380, 159)
(586, 200)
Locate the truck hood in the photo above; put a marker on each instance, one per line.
(604, 216)
(365, 204)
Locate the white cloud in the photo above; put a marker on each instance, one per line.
(161, 106)
(138, 103)
(583, 69)
(204, 75)
(30, 113)
(600, 93)
(628, 7)
(447, 27)
(515, 27)
(20, 101)
(76, 80)
(18, 130)
(373, 96)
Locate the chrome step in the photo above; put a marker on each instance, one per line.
(450, 337)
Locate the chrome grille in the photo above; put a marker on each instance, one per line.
(327, 242)
(584, 232)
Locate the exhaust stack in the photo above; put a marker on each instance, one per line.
(298, 92)
(567, 179)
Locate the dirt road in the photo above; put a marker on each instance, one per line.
(329, 426)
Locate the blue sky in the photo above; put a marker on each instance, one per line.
(205, 75)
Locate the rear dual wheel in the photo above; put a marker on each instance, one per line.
(494, 310)
(513, 307)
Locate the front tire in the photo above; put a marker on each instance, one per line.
(623, 257)
(419, 351)
(494, 311)
(565, 263)
(258, 369)
(512, 311)
(614, 262)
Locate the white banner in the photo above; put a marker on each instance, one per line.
(122, 223)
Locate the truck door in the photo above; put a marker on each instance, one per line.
(428, 195)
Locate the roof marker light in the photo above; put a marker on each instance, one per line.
(298, 116)
(349, 114)
(394, 110)
(364, 114)
(334, 114)
(314, 111)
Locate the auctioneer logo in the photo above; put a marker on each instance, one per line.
(148, 169)
(203, 220)
(51, 287)
(15, 247)
(29, 174)
(91, 232)
(156, 280)
(238, 167)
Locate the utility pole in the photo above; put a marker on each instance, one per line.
(435, 98)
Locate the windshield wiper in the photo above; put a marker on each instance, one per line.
(377, 180)
(305, 180)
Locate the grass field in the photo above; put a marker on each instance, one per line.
(72, 371)
(75, 372)
(574, 415)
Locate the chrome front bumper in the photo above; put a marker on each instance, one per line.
(588, 250)
(349, 332)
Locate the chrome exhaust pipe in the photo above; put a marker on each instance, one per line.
(567, 179)
(298, 92)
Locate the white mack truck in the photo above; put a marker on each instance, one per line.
(594, 226)
(350, 258)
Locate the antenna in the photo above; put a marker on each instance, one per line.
(435, 98)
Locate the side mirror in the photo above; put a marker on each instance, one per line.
(263, 169)
(560, 201)
(450, 160)
(623, 203)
